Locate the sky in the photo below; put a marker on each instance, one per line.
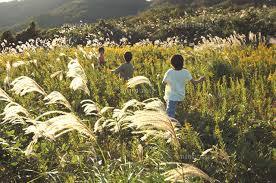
(13, 0)
(5, 1)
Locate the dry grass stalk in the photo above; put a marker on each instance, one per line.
(24, 85)
(57, 98)
(15, 114)
(155, 124)
(76, 72)
(137, 81)
(185, 171)
(154, 104)
(58, 74)
(89, 107)
(79, 84)
(4, 96)
(55, 127)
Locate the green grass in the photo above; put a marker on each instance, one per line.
(231, 114)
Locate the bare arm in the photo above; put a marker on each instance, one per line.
(201, 79)
(118, 70)
(166, 78)
(164, 82)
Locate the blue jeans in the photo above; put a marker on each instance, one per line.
(171, 108)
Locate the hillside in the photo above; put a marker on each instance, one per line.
(214, 2)
(56, 12)
(17, 12)
(187, 25)
(50, 13)
(90, 11)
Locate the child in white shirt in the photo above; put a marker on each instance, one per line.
(175, 79)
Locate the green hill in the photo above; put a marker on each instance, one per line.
(183, 21)
(90, 11)
(187, 24)
(214, 2)
(15, 14)
(56, 12)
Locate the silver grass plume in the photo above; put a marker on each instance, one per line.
(23, 85)
(137, 81)
(185, 171)
(219, 154)
(118, 121)
(18, 63)
(55, 127)
(105, 110)
(154, 104)
(89, 107)
(8, 75)
(98, 126)
(79, 84)
(57, 98)
(120, 117)
(58, 74)
(4, 96)
(114, 124)
(76, 72)
(15, 114)
(154, 124)
(21, 62)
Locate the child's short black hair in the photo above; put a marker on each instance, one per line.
(177, 62)
(101, 49)
(128, 56)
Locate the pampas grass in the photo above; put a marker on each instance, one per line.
(217, 153)
(7, 80)
(22, 63)
(79, 84)
(121, 118)
(89, 107)
(15, 114)
(185, 171)
(58, 74)
(24, 85)
(57, 98)
(67, 122)
(4, 96)
(55, 127)
(76, 72)
(156, 124)
(105, 110)
(18, 64)
(154, 104)
(137, 81)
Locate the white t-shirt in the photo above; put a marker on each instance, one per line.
(175, 84)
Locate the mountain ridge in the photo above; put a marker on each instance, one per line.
(52, 13)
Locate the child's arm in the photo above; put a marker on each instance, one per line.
(166, 78)
(201, 79)
(118, 70)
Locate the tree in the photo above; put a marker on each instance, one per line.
(8, 37)
(30, 33)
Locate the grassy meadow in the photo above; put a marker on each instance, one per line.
(94, 128)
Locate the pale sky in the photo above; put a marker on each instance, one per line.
(5, 1)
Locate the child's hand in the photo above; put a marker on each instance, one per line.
(203, 78)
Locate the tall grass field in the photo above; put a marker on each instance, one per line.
(64, 119)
